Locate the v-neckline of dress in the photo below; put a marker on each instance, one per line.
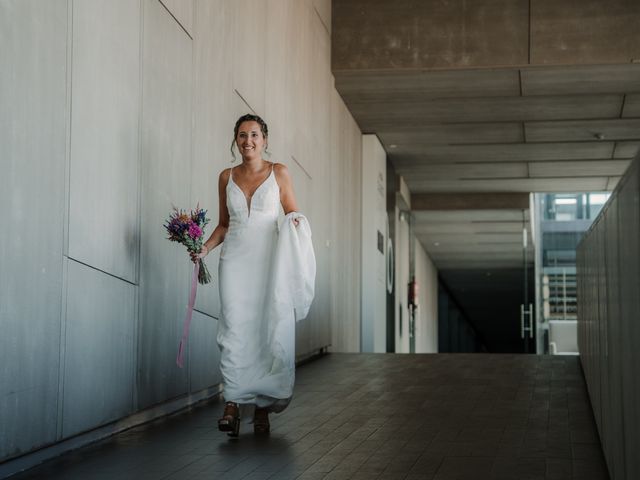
(249, 198)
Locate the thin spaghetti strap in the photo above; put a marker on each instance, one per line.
(230, 176)
(273, 173)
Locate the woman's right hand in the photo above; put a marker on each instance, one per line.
(196, 256)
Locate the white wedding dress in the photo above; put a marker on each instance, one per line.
(256, 340)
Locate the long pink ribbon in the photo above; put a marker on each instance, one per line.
(187, 318)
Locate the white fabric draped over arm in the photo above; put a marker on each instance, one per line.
(294, 267)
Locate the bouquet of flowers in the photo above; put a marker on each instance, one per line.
(188, 229)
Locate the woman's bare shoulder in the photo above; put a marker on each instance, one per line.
(280, 169)
(224, 174)
(223, 178)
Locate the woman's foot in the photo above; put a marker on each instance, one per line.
(230, 421)
(261, 421)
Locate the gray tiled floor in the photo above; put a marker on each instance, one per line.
(364, 416)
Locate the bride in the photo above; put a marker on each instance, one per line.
(256, 339)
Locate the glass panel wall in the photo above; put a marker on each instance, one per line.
(561, 221)
(566, 207)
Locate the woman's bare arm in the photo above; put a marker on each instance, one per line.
(287, 197)
(217, 237)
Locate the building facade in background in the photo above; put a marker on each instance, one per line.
(561, 222)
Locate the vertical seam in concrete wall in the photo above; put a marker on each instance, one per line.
(360, 233)
(362, 239)
(620, 375)
(138, 303)
(191, 160)
(68, 103)
(139, 159)
(62, 377)
(263, 100)
(65, 227)
(602, 425)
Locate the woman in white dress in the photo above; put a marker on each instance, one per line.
(253, 370)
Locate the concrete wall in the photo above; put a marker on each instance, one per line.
(402, 277)
(377, 34)
(608, 272)
(112, 111)
(33, 143)
(374, 242)
(345, 234)
(404, 265)
(426, 329)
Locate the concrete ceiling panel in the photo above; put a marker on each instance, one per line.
(361, 87)
(376, 116)
(488, 254)
(584, 31)
(375, 34)
(470, 201)
(632, 108)
(447, 249)
(523, 152)
(584, 184)
(466, 172)
(451, 134)
(462, 240)
(478, 264)
(405, 70)
(578, 168)
(486, 266)
(613, 182)
(468, 228)
(583, 130)
(458, 216)
(460, 256)
(581, 79)
(626, 149)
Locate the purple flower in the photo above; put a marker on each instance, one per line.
(194, 231)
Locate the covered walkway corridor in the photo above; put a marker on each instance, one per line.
(415, 133)
(377, 416)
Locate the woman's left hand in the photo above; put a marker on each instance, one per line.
(195, 256)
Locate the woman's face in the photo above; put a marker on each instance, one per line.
(250, 140)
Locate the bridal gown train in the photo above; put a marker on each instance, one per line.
(257, 351)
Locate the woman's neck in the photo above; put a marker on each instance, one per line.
(253, 164)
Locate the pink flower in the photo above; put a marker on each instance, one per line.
(194, 230)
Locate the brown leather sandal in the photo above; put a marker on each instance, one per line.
(230, 421)
(261, 424)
